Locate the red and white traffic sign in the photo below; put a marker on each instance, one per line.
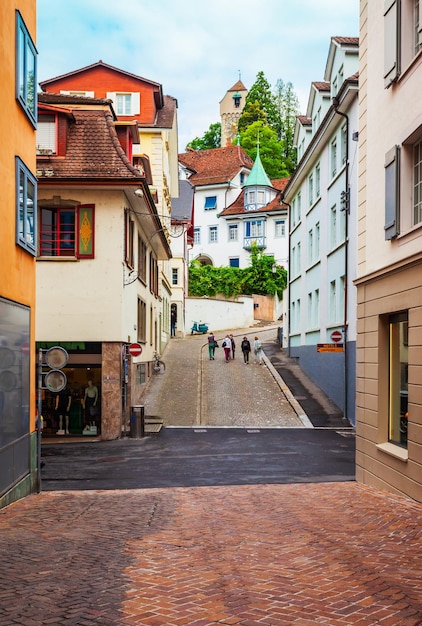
(336, 336)
(135, 349)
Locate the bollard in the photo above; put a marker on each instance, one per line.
(137, 421)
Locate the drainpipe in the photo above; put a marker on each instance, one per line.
(346, 208)
(282, 200)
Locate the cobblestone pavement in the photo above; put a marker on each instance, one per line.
(335, 554)
(216, 393)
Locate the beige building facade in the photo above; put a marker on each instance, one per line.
(231, 107)
(389, 255)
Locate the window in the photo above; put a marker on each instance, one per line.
(254, 228)
(343, 144)
(67, 231)
(317, 240)
(210, 203)
(46, 135)
(418, 27)
(26, 201)
(196, 236)
(233, 232)
(242, 178)
(126, 103)
(280, 228)
(417, 183)
(142, 259)
(333, 157)
(333, 227)
(398, 379)
(311, 189)
(333, 302)
(142, 320)
(310, 246)
(174, 276)
(213, 234)
(129, 235)
(26, 71)
(123, 104)
(313, 309)
(318, 180)
(234, 262)
(402, 37)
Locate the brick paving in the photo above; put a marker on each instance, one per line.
(332, 553)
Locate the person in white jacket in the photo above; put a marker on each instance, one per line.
(257, 350)
(227, 346)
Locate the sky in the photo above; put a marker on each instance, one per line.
(196, 49)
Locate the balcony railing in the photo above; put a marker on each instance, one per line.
(249, 241)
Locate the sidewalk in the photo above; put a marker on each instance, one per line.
(216, 393)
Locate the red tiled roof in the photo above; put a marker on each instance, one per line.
(93, 151)
(238, 206)
(304, 120)
(348, 41)
(215, 166)
(321, 85)
(239, 86)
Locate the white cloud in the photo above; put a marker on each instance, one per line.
(195, 48)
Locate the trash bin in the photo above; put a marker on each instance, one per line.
(280, 336)
(137, 421)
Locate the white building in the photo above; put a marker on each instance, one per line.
(322, 194)
(235, 205)
(389, 281)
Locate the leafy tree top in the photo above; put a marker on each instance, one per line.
(210, 139)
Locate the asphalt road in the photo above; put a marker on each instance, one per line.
(185, 457)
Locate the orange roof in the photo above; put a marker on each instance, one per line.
(215, 166)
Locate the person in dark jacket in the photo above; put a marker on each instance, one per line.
(245, 346)
(233, 345)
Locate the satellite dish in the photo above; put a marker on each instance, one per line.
(7, 358)
(55, 380)
(56, 357)
(7, 380)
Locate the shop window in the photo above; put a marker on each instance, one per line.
(398, 379)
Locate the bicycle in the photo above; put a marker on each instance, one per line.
(158, 366)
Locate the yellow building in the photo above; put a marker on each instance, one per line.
(18, 458)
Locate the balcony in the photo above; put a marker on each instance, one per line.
(249, 241)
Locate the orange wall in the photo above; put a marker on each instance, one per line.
(102, 80)
(17, 138)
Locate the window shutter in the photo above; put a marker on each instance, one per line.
(85, 224)
(392, 193)
(391, 42)
(136, 103)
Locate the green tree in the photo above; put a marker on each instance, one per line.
(260, 278)
(251, 113)
(261, 93)
(288, 109)
(270, 148)
(210, 139)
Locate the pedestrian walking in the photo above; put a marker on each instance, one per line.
(212, 345)
(245, 346)
(257, 351)
(227, 346)
(233, 345)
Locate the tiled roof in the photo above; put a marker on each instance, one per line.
(93, 151)
(238, 206)
(215, 166)
(321, 85)
(304, 120)
(55, 98)
(348, 41)
(239, 86)
(165, 115)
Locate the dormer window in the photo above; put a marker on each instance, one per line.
(46, 135)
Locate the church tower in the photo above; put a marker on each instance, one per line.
(231, 107)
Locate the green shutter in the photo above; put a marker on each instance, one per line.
(85, 233)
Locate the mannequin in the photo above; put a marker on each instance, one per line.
(62, 408)
(90, 401)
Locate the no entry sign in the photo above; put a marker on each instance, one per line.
(336, 336)
(135, 349)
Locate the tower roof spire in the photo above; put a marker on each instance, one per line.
(258, 176)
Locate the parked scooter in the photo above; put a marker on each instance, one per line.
(200, 328)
